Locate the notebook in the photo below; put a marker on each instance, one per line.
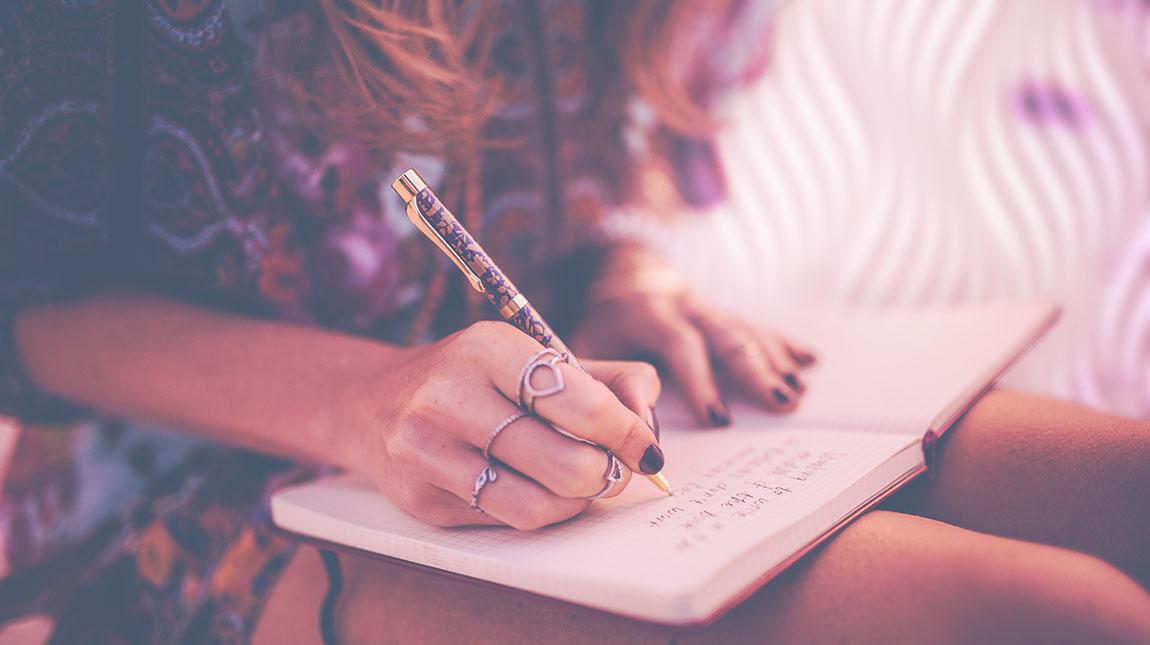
(748, 500)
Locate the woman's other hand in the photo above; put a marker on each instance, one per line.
(640, 310)
(428, 418)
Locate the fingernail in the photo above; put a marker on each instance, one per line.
(793, 381)
(652, 461)
(781, 396)
(719, 415)
(653, 421)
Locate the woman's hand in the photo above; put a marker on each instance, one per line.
(640, 311)
(426, 419)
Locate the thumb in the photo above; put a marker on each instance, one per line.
(635, 384)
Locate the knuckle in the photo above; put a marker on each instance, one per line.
(578, 475)
(644, 375)
(432, 506)
(534, 512)
(424, 395)
(487, 329)
(412, 497)
(602, 404)
(686, 344)
(398, 445)
(433, 516)
(439, 516)
(473, 337)
(412, 448)
(644, 372)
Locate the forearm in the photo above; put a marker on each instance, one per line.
(267, 385)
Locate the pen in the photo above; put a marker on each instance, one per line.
(436, 222)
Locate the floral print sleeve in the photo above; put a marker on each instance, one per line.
(54, 185)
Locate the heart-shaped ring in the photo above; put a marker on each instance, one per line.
(547, 359)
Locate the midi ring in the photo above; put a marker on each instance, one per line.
(613, 474)
(485, 477)
(548, 359)
(519, 414)
(747, 349)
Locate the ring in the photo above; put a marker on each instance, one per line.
(519, 414)
(613, 474)
(486, 476)
(747, 349)
(544, 359)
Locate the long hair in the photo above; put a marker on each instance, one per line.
(416, 74)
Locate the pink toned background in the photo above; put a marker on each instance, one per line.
(919, 152)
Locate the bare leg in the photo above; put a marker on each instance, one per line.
(1028, 467)
(887, 578)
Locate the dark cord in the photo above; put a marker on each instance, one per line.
(331, 598)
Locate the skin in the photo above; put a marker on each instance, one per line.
(415, 420)
(1015, 467)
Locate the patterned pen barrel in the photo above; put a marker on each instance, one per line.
(436, 222)
(434, 219)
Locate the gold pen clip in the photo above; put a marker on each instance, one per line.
(407, 187)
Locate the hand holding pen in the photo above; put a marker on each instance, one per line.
(547, 373)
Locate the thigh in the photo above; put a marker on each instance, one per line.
(1029, 467)
(886, 578)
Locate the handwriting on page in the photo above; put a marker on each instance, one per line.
(740, 486)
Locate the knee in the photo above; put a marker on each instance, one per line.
(1044, 594)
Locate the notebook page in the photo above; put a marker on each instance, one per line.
(893, 371)
(642, 550)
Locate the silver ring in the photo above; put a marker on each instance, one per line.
(485, 477)
(742, 350)
(613, 474)
(544, 359)
(519, 414)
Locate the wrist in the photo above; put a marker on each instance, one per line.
(358, 401)
(632, 271)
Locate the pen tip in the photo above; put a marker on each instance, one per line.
(660, 482)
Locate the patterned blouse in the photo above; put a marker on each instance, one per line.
(137, 148)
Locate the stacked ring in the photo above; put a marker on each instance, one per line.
(485, 477)
(613, 474)
(548, 359)
(519, 414)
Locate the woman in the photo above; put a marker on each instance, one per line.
(239, 274)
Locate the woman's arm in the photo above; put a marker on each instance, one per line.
(266, 385)
(414, 420)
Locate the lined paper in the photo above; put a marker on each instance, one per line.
(733, 491)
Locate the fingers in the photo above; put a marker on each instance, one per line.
(564, 466)
(438, 507)
(783, 361)
(635, 384)
(761, 364)
(802, 354)
(683, 350)
(759, 378)
(588, 409)
(583, 407)
(510, 498)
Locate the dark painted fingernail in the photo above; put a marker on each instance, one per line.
(793, 381)
(653, 421)
(652, 461)
(781, 396)
(719, 414)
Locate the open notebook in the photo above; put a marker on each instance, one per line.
(748, 501)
